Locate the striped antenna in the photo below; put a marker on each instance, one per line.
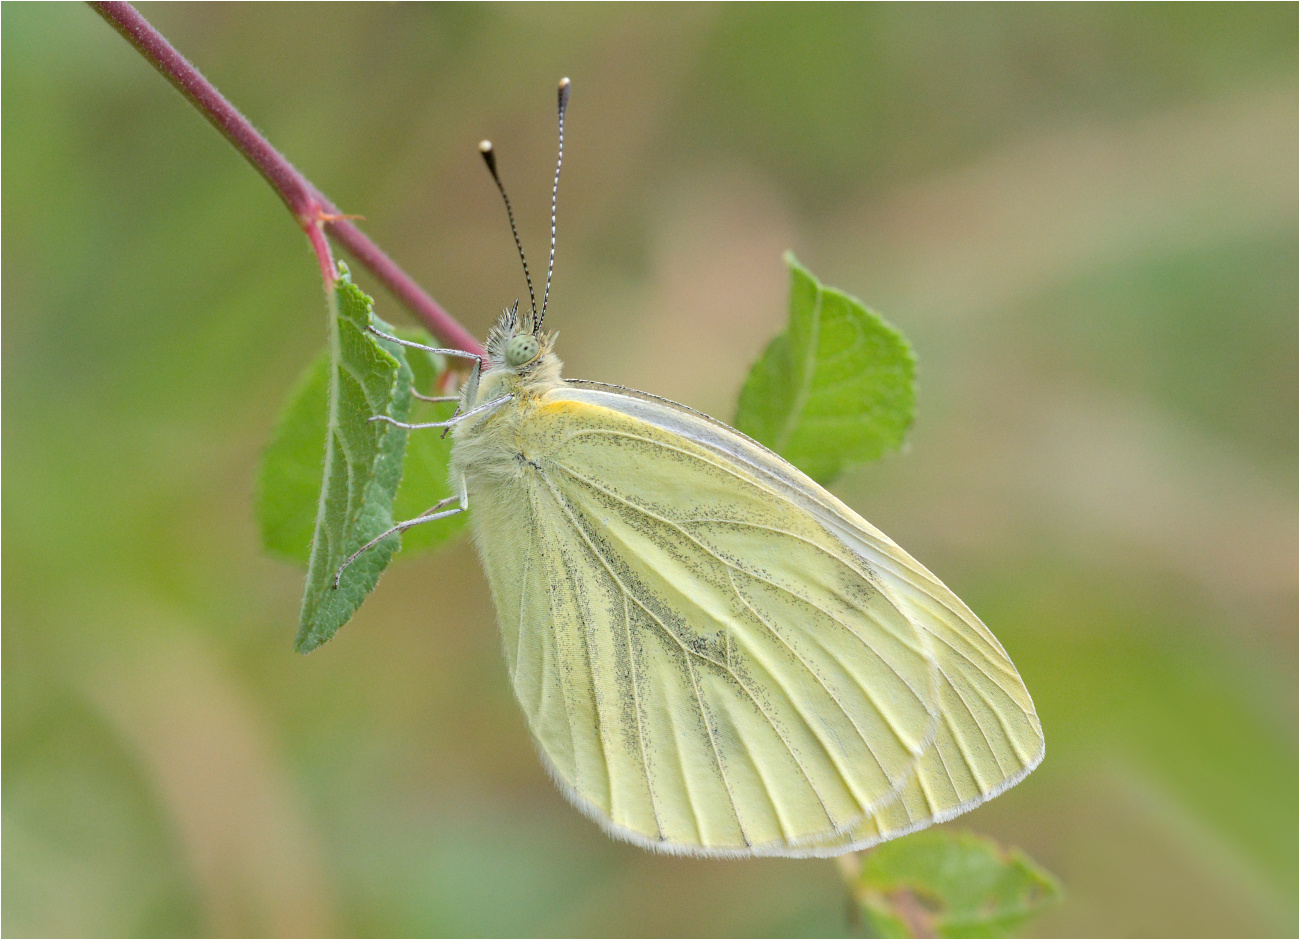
(490, 158)
(563, 96)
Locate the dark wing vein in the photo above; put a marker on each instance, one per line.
(733, 566)
(993, 708)
(689, 653)
(560, 679)
(833, 697)
(703, 716)
(640, 732)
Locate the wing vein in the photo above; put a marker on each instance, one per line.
(703, 716)
(717, 756)
(925, 588)
(523, 596)
(995, 654)
(686, 781)
(731, 565)
(961, 744)
(559, 674)
(640, 732)
(1007, 668)
(865, 807)
(724, 666)
(997, 712)
(600, 719)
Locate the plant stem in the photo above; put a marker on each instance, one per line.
(312, 210)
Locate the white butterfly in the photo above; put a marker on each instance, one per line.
(714, 654)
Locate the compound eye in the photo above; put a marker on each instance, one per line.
(521, 349)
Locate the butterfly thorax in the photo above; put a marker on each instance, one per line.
(521, 364)
(520, 361)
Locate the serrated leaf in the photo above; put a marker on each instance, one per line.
(836, 388)
(363, 465)
(289, 476)
(940, 883)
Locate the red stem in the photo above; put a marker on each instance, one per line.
(311, 209)
(320, 244)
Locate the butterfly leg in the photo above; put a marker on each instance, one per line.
(429, 515)
(486, 406)
(439, 398)
(432, 349)
(469, 392)
(478, 363)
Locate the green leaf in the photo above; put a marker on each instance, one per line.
(424, 471)
(941, 883)
(836, 388)
(363, 465)
(289, 477)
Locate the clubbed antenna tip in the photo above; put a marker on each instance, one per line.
(490, 158)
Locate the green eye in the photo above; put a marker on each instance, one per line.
(520, 349)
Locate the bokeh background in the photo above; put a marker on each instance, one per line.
(1084, 217)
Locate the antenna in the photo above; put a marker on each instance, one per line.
(563, 96)
(490, 158)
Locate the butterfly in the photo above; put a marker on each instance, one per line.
(714, 655)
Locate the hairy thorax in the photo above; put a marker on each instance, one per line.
(494, 450)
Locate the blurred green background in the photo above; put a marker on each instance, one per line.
(1084, 217)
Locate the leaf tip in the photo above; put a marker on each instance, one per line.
(798, 268)
(306, 641)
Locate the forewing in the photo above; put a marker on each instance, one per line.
(986, 737)
(706, 667)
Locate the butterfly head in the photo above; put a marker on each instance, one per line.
(522, 349)
(519, 344)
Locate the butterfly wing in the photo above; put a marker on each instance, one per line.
(988, 737)
(719, 658)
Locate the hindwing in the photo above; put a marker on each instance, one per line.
(718, 657)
